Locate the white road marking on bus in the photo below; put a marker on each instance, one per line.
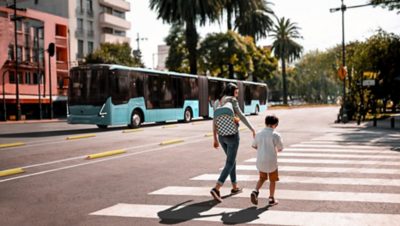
(286, 194)
(312, 180)
(338, 146)
(325, 169)
(336, 161)
(347, 156)
(385, 152)
(201, 138)
(264, 216)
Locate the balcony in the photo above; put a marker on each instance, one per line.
(61, 41)
(108, 20)
(61, 65)
(114, 38)
(117, 4)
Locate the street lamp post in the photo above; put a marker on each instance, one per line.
(4, 98)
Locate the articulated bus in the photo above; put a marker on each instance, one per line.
(107, 95)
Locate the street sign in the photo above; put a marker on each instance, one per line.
(342, 72)
(368, 82)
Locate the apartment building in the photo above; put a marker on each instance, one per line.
(85, 24)
(29, 67)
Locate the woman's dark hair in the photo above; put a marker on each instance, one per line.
(229, 89)
(271, 120)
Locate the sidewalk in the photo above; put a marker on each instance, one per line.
(33, 121)
(392, 123)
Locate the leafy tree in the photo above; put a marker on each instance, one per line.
(390, 4)
(177, 59)
(188, 12)
(114, 53)
(284, 46)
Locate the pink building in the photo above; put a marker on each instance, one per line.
(35, 31)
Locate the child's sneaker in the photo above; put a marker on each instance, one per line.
(235, 191)
(254, 197)
(272, 201)
(216, 195)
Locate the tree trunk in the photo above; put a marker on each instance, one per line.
(229, 21)
(285, 101)
(191, 43)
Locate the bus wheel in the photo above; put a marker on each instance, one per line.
(102, 126)
(136, 119)
(257, 111)
(187, 115)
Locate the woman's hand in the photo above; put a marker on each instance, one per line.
(216, 144)
(254, 133)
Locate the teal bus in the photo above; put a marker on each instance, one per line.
(107, 95)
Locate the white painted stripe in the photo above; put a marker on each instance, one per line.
(339, 146)
(349, 151)
(270, 217)
(287, 194)
(336, 161)
(318, 169)
(312, 180)
(347, 156)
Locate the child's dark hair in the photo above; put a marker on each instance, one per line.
(271, 120)
(229, 89)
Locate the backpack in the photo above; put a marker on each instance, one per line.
(224, 120)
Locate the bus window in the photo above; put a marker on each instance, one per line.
(166, 93)
(248, 93)
(179, 86)
(120, 87)
(136, 88)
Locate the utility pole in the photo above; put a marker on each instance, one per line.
(138, 39)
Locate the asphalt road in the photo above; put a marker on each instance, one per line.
(331, 174)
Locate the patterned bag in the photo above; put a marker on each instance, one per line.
(225, 120)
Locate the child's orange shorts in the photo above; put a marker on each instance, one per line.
(273, 176)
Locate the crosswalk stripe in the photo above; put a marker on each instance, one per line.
(339, 146)
(348, 156)
(347, 151)
(318, 169)
(287, 194)
(261, 215)
(336, 161)
(312, 180)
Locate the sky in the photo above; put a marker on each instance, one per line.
(320, 28)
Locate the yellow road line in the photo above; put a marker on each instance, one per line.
(11, 145)
(81, 136)
(105, 154)
(132, 130)
(11, 172)
(170, 126)
(209, 135)
(171, 141)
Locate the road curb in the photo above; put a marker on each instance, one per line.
(174, 141)
(80, 136)
(11, 172)
(105, 154)
(12, 145)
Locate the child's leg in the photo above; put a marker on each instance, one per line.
(272, 185)
(263, 177)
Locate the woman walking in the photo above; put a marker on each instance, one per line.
(229, 143)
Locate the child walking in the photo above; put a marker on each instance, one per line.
(268, 143)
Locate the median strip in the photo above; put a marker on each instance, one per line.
(105, 154)
(81, 136)
(132, 130)
(171, 141)
(11, 145)
(11, 172)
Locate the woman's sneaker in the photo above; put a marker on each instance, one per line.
(254, 197)
(216, 195)
(272, 201)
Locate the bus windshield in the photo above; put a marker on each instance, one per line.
(88, 87)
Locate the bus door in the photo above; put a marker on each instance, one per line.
(241, 95)
(203, 96)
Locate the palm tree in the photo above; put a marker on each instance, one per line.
(284, 47)
(252, 19)
(188, 12)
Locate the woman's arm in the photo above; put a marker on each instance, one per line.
(242, 117)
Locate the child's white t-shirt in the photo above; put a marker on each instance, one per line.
(267, 141)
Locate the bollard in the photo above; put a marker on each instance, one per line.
(392, 122)
(374, 121)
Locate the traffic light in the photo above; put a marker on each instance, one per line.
(51, 49)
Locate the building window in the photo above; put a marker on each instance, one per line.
(90, 31)
(80, 25)
(28, 79)
(89, 7)
(21, 81)
(19, 25)
(11, 77)
(79, 4)
(120, 33)
(27, 54)
(80, 48)
(90, 47)
(11, 52)
(19, 54)
(108, 30)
